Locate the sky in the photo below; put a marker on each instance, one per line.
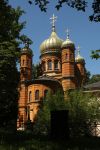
(83, 33)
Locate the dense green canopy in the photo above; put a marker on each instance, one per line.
(10, 38)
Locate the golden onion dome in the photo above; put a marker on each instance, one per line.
(79, 58)
(52, 43)
(67, 42)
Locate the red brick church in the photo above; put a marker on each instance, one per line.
(61, 69)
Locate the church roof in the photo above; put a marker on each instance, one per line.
(95, 85)
(67, 42)
(53, 42)
(45, 79)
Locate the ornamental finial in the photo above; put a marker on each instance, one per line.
(78, 50)
(67, 32)
(53, 20)
(27, 43)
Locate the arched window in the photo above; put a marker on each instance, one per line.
(30, 96)
(37, 95)
(45, 93)
(56, 64)
(66, 57)
(49, 65)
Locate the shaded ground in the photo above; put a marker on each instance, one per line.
(28, 141)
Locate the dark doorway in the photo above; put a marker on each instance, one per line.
(59, 124)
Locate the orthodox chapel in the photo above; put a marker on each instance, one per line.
(61, 70)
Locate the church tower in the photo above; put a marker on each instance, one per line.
(68, 64)
(50, 50)
(25, 74)
(80, 63)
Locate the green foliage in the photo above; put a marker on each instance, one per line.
(83, 111)
(83, 107)
(42, 121)
(87, 77)
(95, 54)
(94, 78)
(10, 28)
(36, 71)
(51, 102)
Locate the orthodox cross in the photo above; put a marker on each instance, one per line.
(67, 32)
(53, 20)
(27, 43)
(78, 50)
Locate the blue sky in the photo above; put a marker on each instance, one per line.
(82, 31)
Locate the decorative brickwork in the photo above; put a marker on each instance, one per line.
(60, 71)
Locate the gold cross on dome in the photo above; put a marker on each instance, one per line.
(67, 32)
(53, 20)
(78, 50)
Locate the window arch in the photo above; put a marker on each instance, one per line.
(49, 65)
(56, 64)
(37, 95)
(30, 96)
(45, 93)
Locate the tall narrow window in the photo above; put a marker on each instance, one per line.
(45, 93)
(66, 56)
(28, 112)
(37, 95)
(44, 66)
(23, 62)
(56, 64)
(30, 96)
(49, 65)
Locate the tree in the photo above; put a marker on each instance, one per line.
(77, 4)
(10, 39)
(51, 102)
(83, 112)
(95, 54)
(94, 78)
(36, 71)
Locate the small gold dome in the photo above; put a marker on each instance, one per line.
(79, 58)
(67, 42)
(52, 43)
(26, 50)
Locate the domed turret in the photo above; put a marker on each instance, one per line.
(79, 58)
(67, 42)
(26, 49)
(53, 43)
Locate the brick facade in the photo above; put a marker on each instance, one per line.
(59, 71)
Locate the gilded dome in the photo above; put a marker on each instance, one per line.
(79, 58)
(27, 50)
(52, 43)
(67, 42)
